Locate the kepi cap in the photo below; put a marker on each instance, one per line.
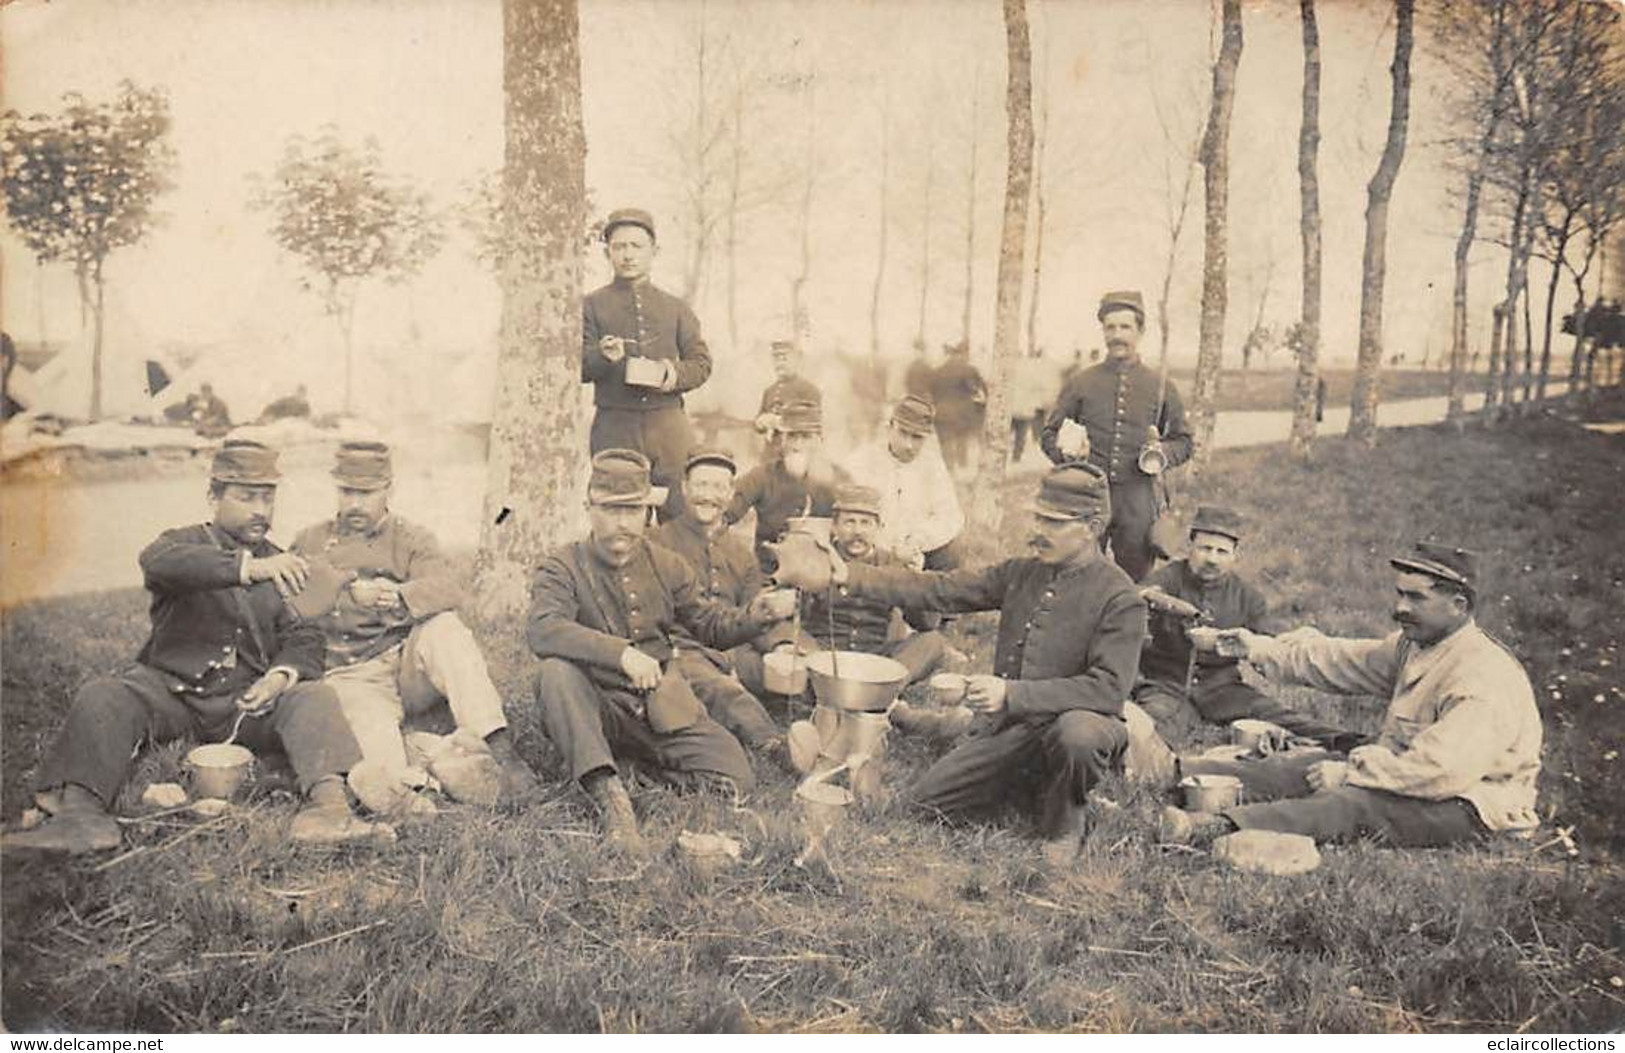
(853, 497)
(801, 418)
(1074, 490)
(634, 217)
(1122, 300)
(1213, 519)
(246, 463)
(620, 477)
(363, 465)
(711, 455)
(914, 415)
(1458, 566)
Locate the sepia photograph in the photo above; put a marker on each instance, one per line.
(813, 517)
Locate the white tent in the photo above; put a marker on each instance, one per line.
(62, 385)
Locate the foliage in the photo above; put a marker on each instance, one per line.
(481, 217)
(338, 210)
(80, 183)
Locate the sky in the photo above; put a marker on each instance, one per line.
(423, 77)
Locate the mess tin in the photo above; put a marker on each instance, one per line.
(1260, 736)
(1210, 793)
(644, 372)
(784, 672)
(949, 689)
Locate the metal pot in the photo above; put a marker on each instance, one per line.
(1210, 793)
(867, 683)
(784, 673)
(218, 770)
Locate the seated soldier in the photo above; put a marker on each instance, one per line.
(1070, 628)
(920, 517)
(608, 616)
(1459, 752)
(1179, 689)
(798, 480)
(225, 652)
(727, 573)
(840, 620)
(396, 648)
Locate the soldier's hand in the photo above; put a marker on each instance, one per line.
(767, 423)
(389, 595)
(775, 605)
(986, 694)
(287, 570)
(1239, 643)
(1072, 440)
(366, 591)
(262, 693)
(668, 375)
(1327, 774)
(612, 348)
(642, 669)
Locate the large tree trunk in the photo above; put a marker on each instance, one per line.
(1215, 263)
(1363, 404)
(536, 477)
(1303, 401)
(1040, 137)
(986, 508)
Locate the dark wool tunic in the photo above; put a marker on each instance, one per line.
(664, 328)
(1230, 602)
(726, 567)
(1069, 636)
(1117, 402)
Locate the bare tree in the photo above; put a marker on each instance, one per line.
(925, 232)
(1215, 263)
(986, 507)
(971, 173)
(1184, 147)
(809, 176)
(884, 224)
(1373, 275)
(1040, 140)
(1308, 342)
(536, 475)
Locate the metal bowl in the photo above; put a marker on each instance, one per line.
(867, 683)
(784, 672)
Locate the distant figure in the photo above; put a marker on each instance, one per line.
(295, 405)
(1320, 399)
(917, 378)
(1032, 391)
(8, 361)
(641, 349)
(208, 414)
(960, 397)
(788, 386)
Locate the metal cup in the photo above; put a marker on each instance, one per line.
(949, 689)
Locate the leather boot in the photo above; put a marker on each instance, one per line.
(79, 825)
(520, 786)
(615, 810)
(1178, 827)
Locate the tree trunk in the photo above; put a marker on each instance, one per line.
(970, 210)
(986, 508)
(735, 175)
(1504, 347)
(1215, 264)
(1363, 404)
(1457, 407)
(798, 288)
(925, 239)
(1303, 400)
(98, 319)
(1492, 382)
(1579, 336)
(885, 224)
(536, 477)
(1040, 138)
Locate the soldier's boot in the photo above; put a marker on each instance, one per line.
(326, 818)
(79, 824)
(1178, 827)
(520, 786)
(608, 792)
(1061, 848)
(944, 724)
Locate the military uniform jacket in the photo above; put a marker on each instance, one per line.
(664, 328)
(724, 564)
(777, 496)
(394, 549)
(1117, 402)
(853, 622)
(1230, 602)
(584, 610)
(1069, 636)
(211, 632)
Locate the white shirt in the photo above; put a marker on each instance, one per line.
(919, 508)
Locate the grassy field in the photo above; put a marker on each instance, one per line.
(486, 922)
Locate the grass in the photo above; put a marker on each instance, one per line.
(483, 922)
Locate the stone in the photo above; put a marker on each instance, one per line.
(210, 807)
(1268, 852)
(163, 795)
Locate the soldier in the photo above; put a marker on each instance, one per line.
(396, 648)
(608, 615)
(225, 652)
(1117, 405)
(641, 349)
(1458, 757)
(844, 621)
(960, 396)
(1180, 690)
(1070, 629)
(798, 480)
(788, 384)
(729, 684)
(920, 518)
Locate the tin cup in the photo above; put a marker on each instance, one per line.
(949, 689)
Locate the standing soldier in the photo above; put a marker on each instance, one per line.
(960, 395)
(1122, 418)
(641, 349)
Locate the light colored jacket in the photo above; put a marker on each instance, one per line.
(1462, 720)
(919, 508)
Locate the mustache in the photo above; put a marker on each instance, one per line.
(1037, 541)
